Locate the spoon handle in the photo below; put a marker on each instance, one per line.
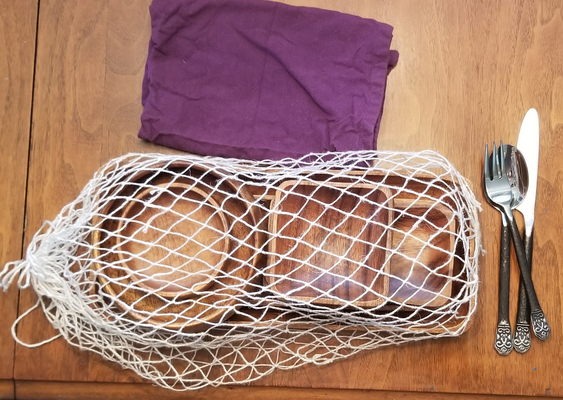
(522, 334)
(503, 341)
(539, 322)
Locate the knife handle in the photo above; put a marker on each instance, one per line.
(503, 341)
(522, 334)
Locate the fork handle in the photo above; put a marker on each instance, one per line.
(503, 340)
(539, 322)
(522, 334)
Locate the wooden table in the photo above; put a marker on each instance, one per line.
(468, 71)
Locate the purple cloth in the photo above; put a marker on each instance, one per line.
(257, 79)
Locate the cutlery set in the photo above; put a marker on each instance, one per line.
(510, 183)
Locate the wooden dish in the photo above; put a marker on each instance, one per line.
(196, 229)
(339, 259)
(221, 296)
(422, 262)
(449, 319)
(430, 286)
(453, 320)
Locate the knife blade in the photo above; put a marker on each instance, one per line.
(529, 145)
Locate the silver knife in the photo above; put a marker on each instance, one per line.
(529, 146)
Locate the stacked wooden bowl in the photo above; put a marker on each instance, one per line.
(177, 251)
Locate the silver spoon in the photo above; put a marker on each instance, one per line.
(540, 326)
(522, 338)
(517, 172)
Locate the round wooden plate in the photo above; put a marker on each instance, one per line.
(174, 237)
(222, 294)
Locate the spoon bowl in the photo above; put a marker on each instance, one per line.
(517, 172)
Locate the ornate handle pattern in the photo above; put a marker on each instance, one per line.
(503, 342)
(522, 333)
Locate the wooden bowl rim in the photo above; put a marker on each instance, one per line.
(224, 248)
(389, 201)
(446, 291)
(251, 217)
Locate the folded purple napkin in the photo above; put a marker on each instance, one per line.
(258, 79)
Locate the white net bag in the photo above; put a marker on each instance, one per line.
(196, 271)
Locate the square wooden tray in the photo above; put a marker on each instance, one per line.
(329, 242)
(423, 243)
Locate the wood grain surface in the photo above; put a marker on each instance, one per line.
(467, 73)
(188, 269)
(329, 207)
(18, 22)
(87, 102)
(72, 390)
(7, 389)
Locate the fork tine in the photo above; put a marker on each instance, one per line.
(495, 161)
(502, 156)
(487, 172)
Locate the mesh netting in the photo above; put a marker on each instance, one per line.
(196, 271)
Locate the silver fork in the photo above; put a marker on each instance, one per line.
(498, 190)
(503, 338)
